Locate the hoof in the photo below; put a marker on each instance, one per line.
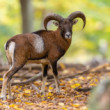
(3, 98)
(42, 93)
(58, 91)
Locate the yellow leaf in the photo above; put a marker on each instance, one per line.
(14, 106)
(75, 105)
(92, 84)
(75, 85)
(44, 102)
(65, 71)
(17, 100)
(61, 104)
(50, 103)
(61, 96)
(84, 108)
(1, 79)
(20, 95)
(96, 80)
(50, 94)
(4, 105)
(81, 77)
(29, 103)
(42, 95)
(78, 96)
(25, 94)
(50, 88)
(27, 91)
(48, 97)
(70, 81)
(75, 79)
(64, 108)
(89, 77)
(16, 90)
(20, 109)
(17, 87)
(62, 66)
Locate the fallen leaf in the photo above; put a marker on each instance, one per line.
(61, 104)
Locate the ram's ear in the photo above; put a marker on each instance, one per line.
(55, 23)
(74, 21)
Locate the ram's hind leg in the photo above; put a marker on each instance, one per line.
(6, 78)
(9, 58)
(9, 90)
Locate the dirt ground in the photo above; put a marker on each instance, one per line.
(75, 86)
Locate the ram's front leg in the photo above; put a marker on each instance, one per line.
(44, 78)
(55, 72)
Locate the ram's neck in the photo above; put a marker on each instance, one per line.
(64, 43)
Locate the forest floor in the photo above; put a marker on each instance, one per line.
(76, 82)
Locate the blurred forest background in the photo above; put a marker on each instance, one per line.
(21, 16)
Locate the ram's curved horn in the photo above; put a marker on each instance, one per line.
(78, 14)
(52, 17)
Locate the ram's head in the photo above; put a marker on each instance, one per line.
(65, 24)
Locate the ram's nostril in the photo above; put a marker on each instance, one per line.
(68, 34)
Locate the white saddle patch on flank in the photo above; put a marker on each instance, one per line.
(39, 44)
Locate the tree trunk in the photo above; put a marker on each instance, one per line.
(27, 15)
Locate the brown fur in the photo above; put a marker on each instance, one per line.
(25, 51)
(54, 48)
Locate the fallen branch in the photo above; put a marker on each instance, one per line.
(34, 67)
(84, 89)
(97, 68)
(27, 67)
(19, 76)
(35, 88)
(50, 78)
(34, 78)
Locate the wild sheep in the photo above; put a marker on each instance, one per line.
(43, 47)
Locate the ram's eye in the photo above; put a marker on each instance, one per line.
(55, 23)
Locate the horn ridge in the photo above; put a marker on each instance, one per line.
(78, 14)
(52, 17)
